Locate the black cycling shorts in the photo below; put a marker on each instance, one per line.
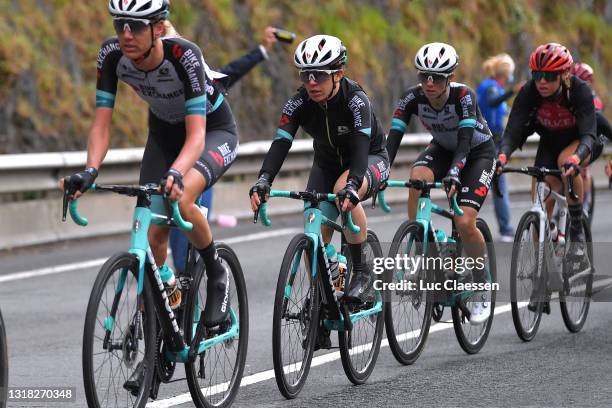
(475, 177)
(166, 141)
(323, 181)
(550, 148)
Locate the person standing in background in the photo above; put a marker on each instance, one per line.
(232, 73)
(492, 96)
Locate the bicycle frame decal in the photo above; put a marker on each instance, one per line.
(423, 217)
(162, 290)
(313, 218)
(139, 242)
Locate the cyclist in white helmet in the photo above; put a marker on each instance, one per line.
(350, 158)
(192, 134)
(461, 154)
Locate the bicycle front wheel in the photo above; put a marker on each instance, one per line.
(408, 311)
(119, 337)
(523, 277)
(296, 317)
(472, 338)
(3, 365)
(214, 378)
(575, 299)
(360, 353)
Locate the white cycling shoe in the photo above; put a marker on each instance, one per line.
(480, 308)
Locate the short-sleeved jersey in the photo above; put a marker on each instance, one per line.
(459, 110)
(176, 88)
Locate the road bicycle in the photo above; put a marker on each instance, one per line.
(540, 262)
(413, 302)
(307, 301)
(125, 355)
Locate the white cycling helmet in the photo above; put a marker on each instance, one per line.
(436, 58)
(146, 9)
(320, 51)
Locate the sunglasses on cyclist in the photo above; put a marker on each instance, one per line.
(549, 76)
(437, 79)
(317, 75)
(133, 25)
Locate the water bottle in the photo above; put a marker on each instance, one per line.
(171, 285)
(441, 236)
(332, 258)
(341, 273)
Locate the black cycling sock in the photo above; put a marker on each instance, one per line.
(211, 260)
(575, 212)
(356, 251)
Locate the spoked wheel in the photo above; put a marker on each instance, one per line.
(589, 203)
(359, 348)
(408, 312)
(473, 337)
(214, 377)
(119, 337)
(296, 317)
(3, 365)
(576, 297)
(523, 277)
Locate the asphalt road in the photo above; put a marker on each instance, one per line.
(44, 311)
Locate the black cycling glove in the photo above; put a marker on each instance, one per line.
(349, 191)
(178, 179)
(262, 187)
(81, 181)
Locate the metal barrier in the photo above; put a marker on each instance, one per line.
(30, 202)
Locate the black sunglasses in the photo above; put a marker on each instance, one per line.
(437, 79)
(135, 26)
(317, 75)
(549, 76)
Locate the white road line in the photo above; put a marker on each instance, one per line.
(52, 270)
(329, 357)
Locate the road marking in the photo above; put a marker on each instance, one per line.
(94, 263)
(329, 357)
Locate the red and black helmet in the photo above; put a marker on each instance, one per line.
(550, 57)
(583, 71)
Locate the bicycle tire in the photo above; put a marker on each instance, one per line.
(459, 323)
(129, 262)
(590, 214)
(194, 305)
(307, 312)
(359, 374)
(526, 332)
(575, 325)
(3, 365)
(392, 325)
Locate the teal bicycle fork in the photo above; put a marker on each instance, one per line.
(178, 350)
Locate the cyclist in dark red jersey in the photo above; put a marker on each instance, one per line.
(559, 107)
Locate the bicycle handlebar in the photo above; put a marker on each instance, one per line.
(304, 196)
(173, 213)
(418, 185)
(540, 172)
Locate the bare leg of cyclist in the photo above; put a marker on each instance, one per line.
(418, 173)
(361, 278)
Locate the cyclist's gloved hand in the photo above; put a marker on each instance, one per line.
(80, 181)
(501, 162)
(571, 166)
(350, 192)
(177, 181)
(451, 182)
(260, 191)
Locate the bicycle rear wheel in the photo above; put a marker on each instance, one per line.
(296, 317)
(119, 337)
(3, 365)
(408, 312)
(214, 377)
(472, 338)
(523, 277)
(575, 299)
(359, 355)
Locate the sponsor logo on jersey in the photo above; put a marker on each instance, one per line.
(104, 51)
(292, 105)
(342, 130)
(554, 116)
(355, 105)
(192, 66)
(481, 191)
(465, 189)
(466, 104)
(284, 120)
(177, 51)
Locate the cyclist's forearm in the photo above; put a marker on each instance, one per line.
(99, 138)
(275, 158)
(393, 142)
(193, 147)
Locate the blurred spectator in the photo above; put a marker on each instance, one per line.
(492, 95)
